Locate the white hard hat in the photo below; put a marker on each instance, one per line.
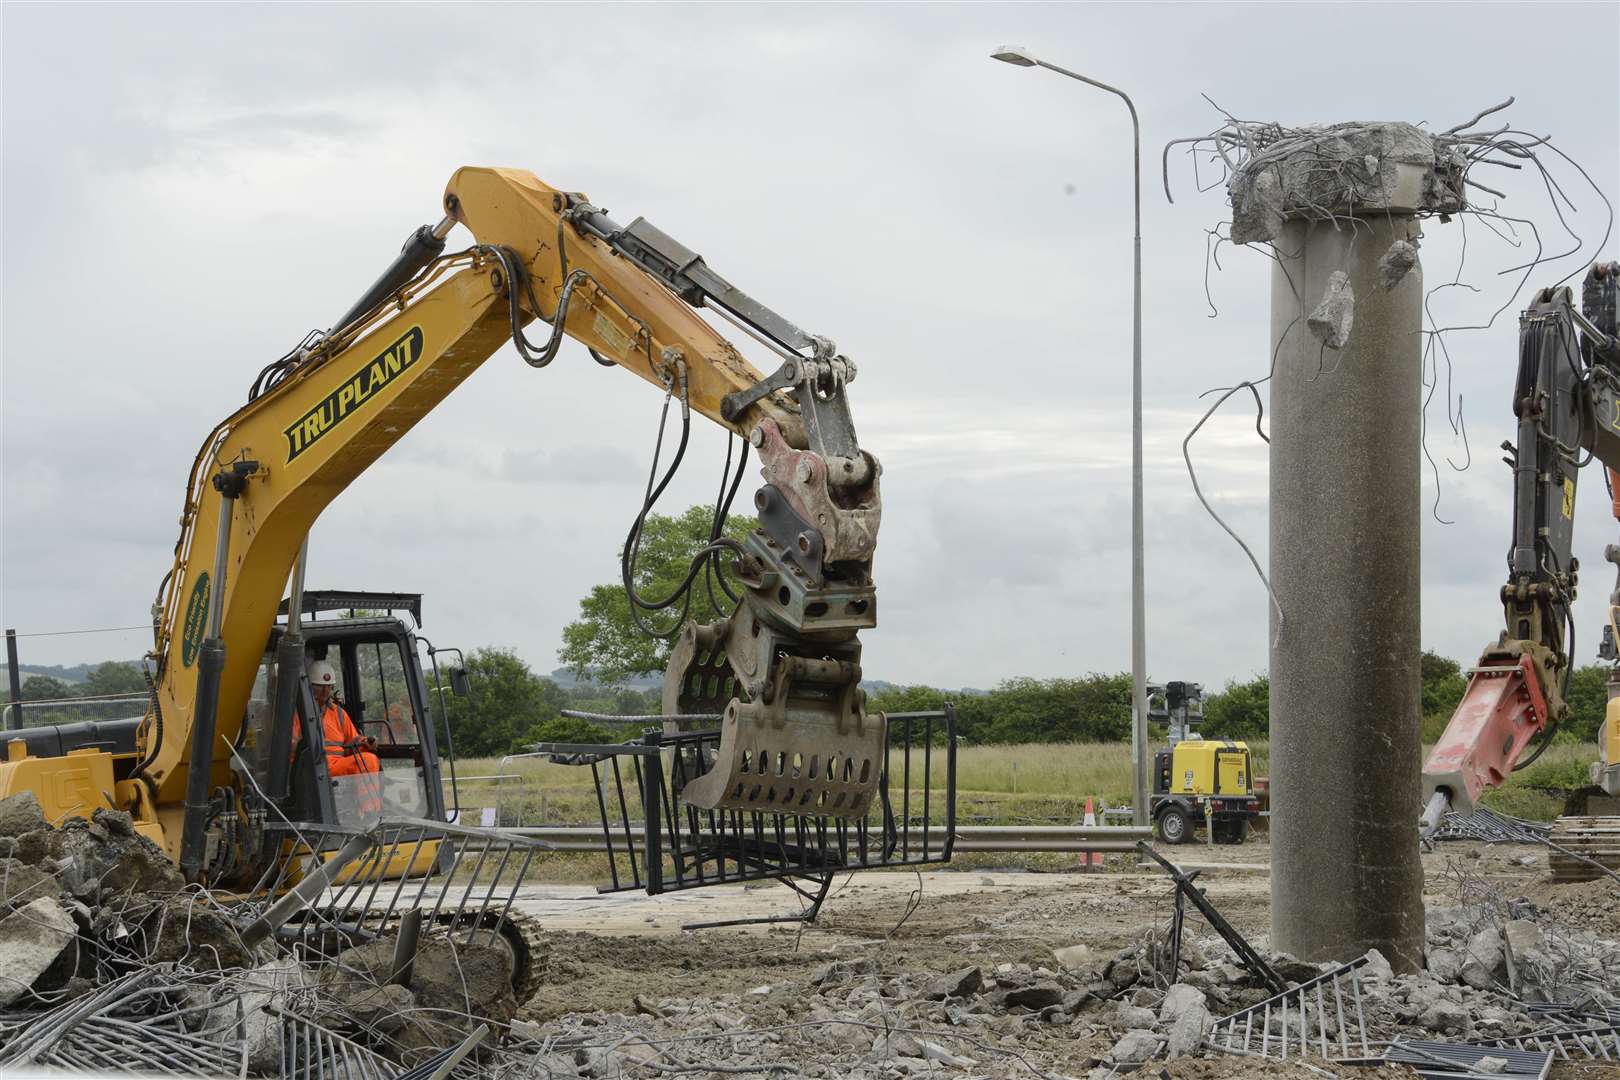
(321, 673)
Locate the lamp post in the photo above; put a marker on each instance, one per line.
(1019, 57)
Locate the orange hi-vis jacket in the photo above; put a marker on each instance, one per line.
(343, 754)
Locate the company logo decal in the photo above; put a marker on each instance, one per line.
(196, 622)
(360, 388)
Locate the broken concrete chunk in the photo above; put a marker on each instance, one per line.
(1127, 1016)
(1290, 970)
(1186, 1036)
(1396, 263)
(1484, 961)
(599, 1062)
(843, 971)
(456, 985)
(1258, 216)
(1125, 968)
(1446, 1017)
(21, 883)
(114, 822)
(1180, 999)
(98, 858)
(1039, 995)
(32, 848)
(186, 928)
(1376, 967)
(20, 813)
(958, 984)
(1490, 1064)
(932, 1051)
(1523, 936)
(1332, 319)
(1137, 1046)
(1326, 172)
(31, 938)
(260, 988)
(1073, 957)
(1445, 964)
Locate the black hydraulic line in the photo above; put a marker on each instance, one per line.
(721, 519)
(681, 594)
(711, 566)
(632, 542)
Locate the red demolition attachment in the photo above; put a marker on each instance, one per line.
(1499, 714)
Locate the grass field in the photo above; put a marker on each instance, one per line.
(999, 785)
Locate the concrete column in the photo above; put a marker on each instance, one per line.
(1345, 525)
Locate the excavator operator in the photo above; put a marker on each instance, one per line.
(348, 753)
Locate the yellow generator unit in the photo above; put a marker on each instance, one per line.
(1201, 780)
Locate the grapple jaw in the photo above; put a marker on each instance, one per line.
(795, 736)
(813, 750)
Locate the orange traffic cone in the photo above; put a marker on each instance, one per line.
(1091, 858)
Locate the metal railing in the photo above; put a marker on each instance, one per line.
(339, 883)
(656, 841)
(1323, 1016)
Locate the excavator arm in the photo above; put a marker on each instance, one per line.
(783, 668)
(1566, 399)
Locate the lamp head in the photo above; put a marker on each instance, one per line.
(1014, 54)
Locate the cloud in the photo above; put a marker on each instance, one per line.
(187, 191)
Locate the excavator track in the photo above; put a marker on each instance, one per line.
(523, 935)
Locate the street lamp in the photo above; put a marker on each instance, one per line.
(1019, 57)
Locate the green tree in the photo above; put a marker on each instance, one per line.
(605, 643)
(45, 688)
(37, 688)
(572, 729)
(1095, 708)
(1241, 710)
(507, 706)
(1588, 699)
(907, 699)
(114, 677)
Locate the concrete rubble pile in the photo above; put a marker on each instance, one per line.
(103, 951)
(1085, 1014)
(108, 960)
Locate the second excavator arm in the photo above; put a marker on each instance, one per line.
(783, 668)
(1566, 399)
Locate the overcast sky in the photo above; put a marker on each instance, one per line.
(188, 189)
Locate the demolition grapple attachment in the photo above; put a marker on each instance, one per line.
(783, 671)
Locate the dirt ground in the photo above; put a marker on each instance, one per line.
(626, 953)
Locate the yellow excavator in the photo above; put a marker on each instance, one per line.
(225, 743)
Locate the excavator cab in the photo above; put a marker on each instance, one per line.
(379, 663)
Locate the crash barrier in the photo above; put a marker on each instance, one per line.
(1012, 839)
